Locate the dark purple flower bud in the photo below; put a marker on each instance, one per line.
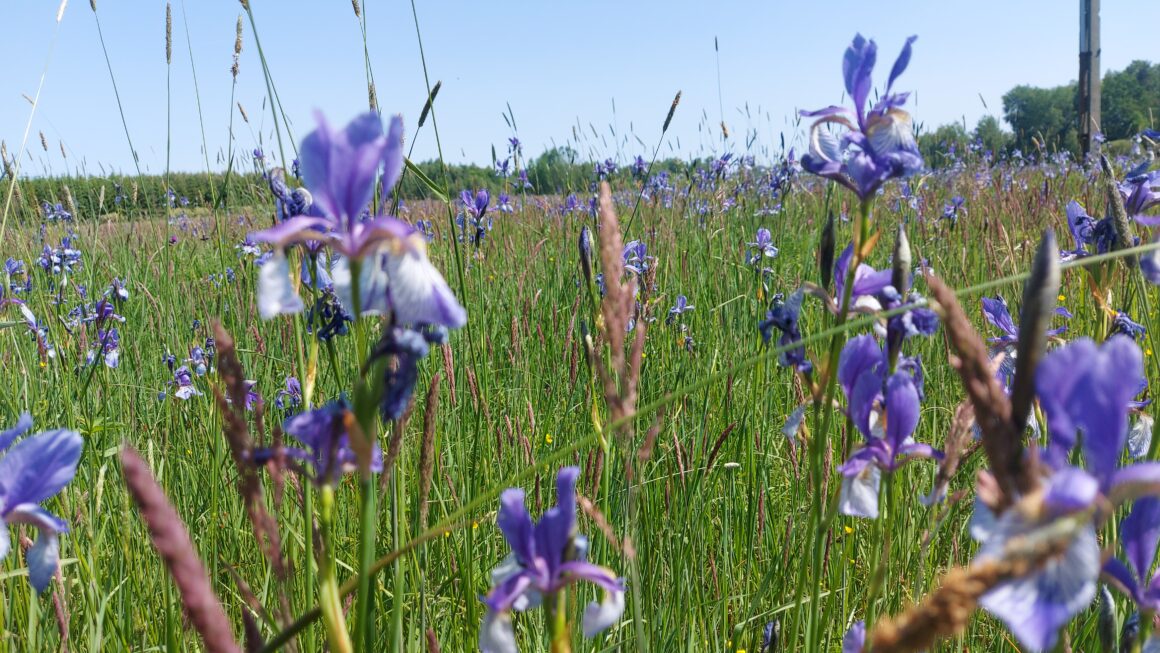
(585, 245)
(826, 247)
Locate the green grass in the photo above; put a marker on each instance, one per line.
(718, 549)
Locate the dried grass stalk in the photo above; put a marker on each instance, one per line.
(1001, 442)
(171, 539)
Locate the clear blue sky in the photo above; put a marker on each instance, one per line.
(559, 64)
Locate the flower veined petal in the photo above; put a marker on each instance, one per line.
(496, 634)
(600, 616)
(419, 294)
(38, 467)
(859, 497)
(42, 559)
(276, 294)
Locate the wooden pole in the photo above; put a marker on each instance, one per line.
(1089, 74)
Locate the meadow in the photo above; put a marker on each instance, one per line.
(344, 477)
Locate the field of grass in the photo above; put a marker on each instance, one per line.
(689, 487)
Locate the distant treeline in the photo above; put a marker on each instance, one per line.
(558, 170)
(1047, 119)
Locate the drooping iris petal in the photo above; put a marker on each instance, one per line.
(42, 560)
(859, 496)
(1036, 606)
(996, 311)
(276, 294)
(600, 616)
(419, 294)
(496, 634)
(1140, 533)
(1140, 436)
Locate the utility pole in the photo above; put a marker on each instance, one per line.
(1089, 74)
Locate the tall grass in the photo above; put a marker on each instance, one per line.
(732, 525)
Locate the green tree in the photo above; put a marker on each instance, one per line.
(1043, 117)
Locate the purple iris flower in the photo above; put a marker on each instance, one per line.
(783, 316)
(327, 318)
(762, 246)
(248, 247)
(199, 360)
(885, 409)
(881, 144)
(682, 306)
(952, 209)
(327, 444)
(408, 346)
(339, 169)
(916, 321)
(288, 203)
(571, 203)
(290, 396)
(1123, 324)
(32, 471)
(109, 347)
(117, 290)
(183, 382)
(1087, 231)
(546, 558)
(636, 258)
(996, 312)
(38, 329)
(868, 283)
(639, 166)
(476, 206)
(504, 203)
(1141, 193)
(1088, 388)
(252, 396)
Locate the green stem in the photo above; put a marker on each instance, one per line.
(329, 599)
(558, 622)
(824, 413)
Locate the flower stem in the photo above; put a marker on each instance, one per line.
(329, 599)
(558, 622)
(824, 414)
